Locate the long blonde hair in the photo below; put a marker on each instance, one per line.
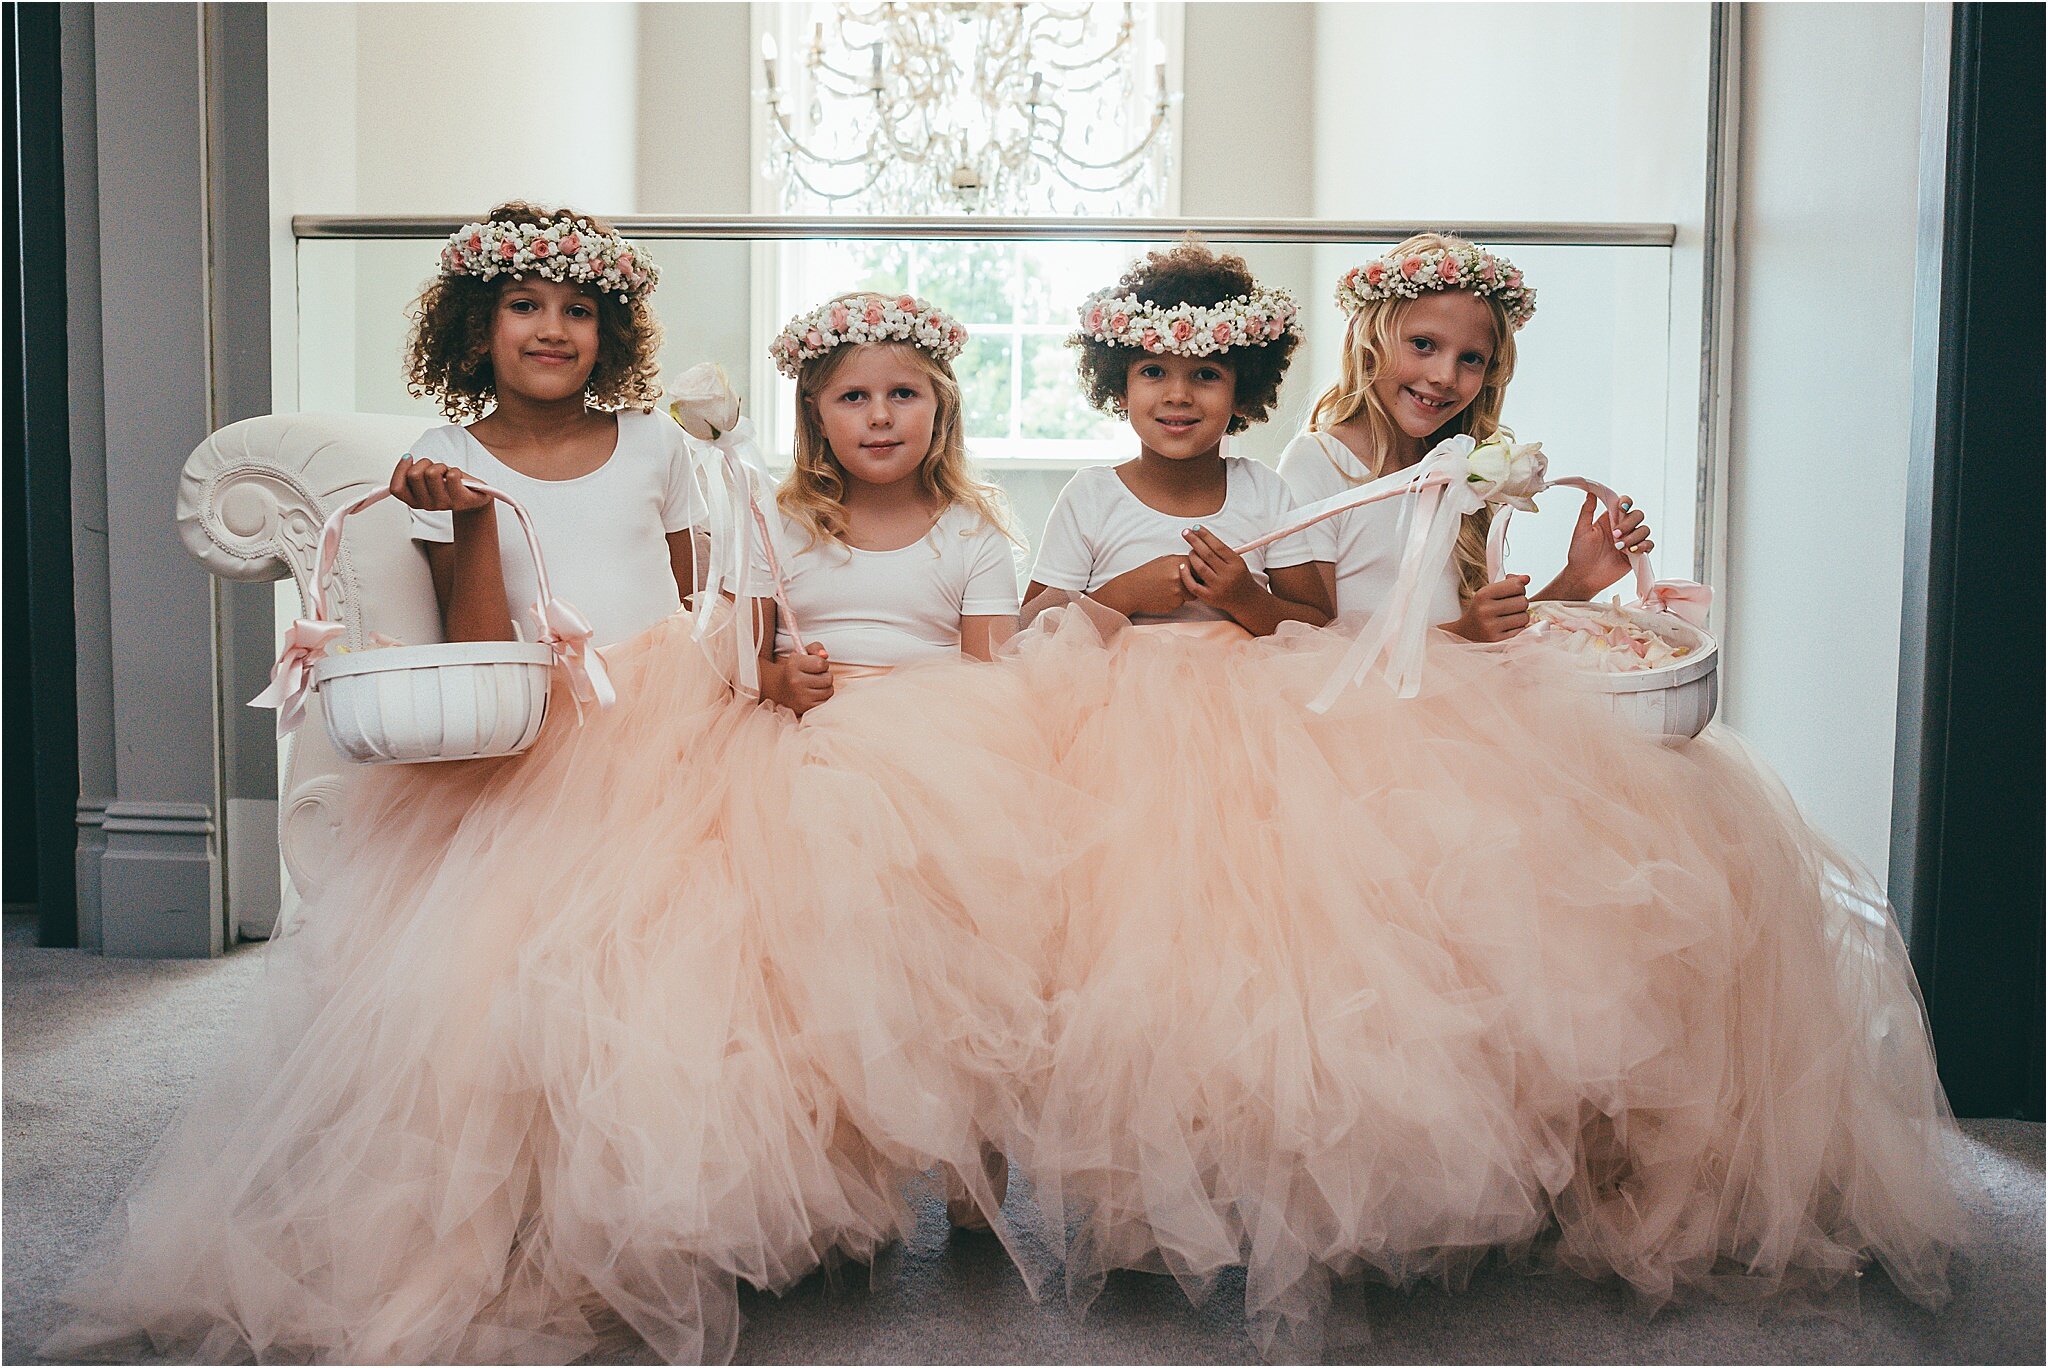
(814, 492)
(1373, 333)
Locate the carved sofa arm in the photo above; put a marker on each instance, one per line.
(250, 504)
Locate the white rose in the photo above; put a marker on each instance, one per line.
(704, 401)
(1509, 474)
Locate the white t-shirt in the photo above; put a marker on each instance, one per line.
(1099, 529)
(1364, 544)
(891, 607)
(605, 534)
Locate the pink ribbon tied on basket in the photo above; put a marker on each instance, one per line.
(291, 678)
(1683, 599)
(566, 632)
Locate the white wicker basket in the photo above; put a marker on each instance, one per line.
(464, 700)
(1673, 702)
(460, 700)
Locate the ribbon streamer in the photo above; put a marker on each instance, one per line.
(739, 525)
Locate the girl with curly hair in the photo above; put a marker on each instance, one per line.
(539, 344)
(1188, 348)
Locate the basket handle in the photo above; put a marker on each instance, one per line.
(563, 630)
(330, 548)
(1682, 598)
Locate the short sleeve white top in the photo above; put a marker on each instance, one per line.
(1364, 544)
(1099, 529)
(605, 534)
(892, 607)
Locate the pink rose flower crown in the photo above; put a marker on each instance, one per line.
(866, 318)
(1252, 320)
(566, 249)
(1405, 275)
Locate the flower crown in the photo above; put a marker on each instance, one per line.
(1406, 275)
(860, 319)
(1249, 320)
(568, 250)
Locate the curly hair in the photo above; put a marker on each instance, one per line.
(814, 491)
(1189, 274)
(448, 354)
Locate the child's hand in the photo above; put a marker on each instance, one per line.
(434, 487)
(1496, 612)
(1599, 554)
(1214, 574)
(1156, 588)
(799, 682)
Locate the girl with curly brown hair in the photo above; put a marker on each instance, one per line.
(1187, 347)
(538, 342)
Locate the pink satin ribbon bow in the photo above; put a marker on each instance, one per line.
(566, 632)
(1683, 599)
(291, 678)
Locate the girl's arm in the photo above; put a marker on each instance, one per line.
(798, 682)
(979, 636)
(1599, 555)
(682, 562)
(469, 579)
(1218, 576)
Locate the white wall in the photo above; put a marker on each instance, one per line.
(312, 171)
(696, 76)
(462, 105)
(1547, 112)
(1822, 402)
(1247, 120)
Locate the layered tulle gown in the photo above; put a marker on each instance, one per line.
(1384, 989)
(681, 999)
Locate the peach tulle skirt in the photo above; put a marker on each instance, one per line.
(1385, 989)
(681, 998)
(688, 996)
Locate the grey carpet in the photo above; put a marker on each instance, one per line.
(98, 1052)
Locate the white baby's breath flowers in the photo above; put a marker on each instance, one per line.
(862, 318)
(1124, 320)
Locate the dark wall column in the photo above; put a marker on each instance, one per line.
(40, 662)
(1966, 864)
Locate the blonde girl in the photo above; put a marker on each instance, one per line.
(896, 552)
(1428, 353)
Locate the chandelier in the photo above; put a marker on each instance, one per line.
(1006, 108)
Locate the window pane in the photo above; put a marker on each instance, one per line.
(1053, 405)
(1054, 277)
(984, 373)
(840, 267)
(970, 280)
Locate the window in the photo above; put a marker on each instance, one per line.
(1022, 402)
